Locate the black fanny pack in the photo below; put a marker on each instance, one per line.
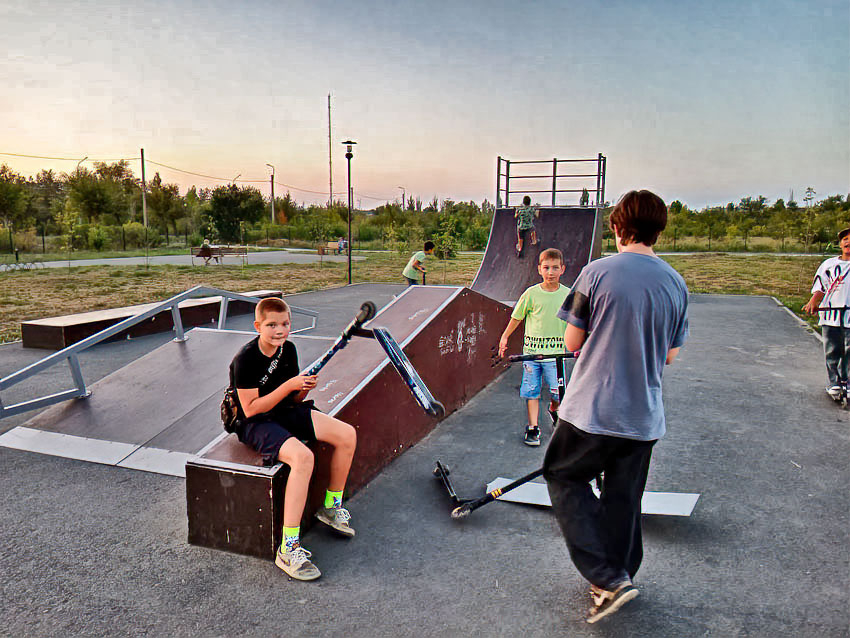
(230, 402)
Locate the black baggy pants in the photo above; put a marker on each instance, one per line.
(603, 534)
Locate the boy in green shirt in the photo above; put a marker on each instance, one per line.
(544, 334)
(416, 263)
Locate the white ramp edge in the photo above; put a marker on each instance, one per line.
(661, 503)
(83, 448)
(150, 459)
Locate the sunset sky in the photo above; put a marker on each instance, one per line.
(703, 102)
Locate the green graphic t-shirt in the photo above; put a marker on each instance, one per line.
(544, 332)
(409, 271)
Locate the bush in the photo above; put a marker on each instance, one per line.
(27, 241)
(97, 237)
(195, 239)
(134, 235)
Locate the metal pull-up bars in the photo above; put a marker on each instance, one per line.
(505, 176)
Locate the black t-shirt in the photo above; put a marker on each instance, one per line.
(250, 368)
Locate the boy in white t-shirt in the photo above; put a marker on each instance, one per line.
(544, 334)
(830, 290)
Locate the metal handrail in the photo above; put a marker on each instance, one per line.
(70, 353)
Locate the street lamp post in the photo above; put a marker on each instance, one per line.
(272, 189)
(348, 156)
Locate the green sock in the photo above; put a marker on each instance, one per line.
(290, 538)
(333, 499)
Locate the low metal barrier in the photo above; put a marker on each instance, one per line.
(70, 353)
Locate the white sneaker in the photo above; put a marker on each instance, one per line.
(297, 564)
(606, 603)
(836, 393)
(336, 517)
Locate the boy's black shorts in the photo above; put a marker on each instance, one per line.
(522, 233)
(266, 433)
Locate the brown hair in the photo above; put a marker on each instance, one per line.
(639, 216)
(551, 253)
(267, 305)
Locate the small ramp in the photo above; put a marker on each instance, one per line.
(162, 409)
(575, 231)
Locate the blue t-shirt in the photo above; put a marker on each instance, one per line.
(635, 309)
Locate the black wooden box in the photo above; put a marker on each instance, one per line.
(235, 507)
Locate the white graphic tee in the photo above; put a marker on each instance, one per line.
(833, 281)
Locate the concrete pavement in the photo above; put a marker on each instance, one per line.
(91, 550)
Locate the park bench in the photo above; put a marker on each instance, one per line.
(235, 503)
(56, 333)
(218, 253)
(330, 248)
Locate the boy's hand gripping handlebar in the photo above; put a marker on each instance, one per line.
(367, 311)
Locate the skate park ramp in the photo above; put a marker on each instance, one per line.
(162, 409)
(503, 276)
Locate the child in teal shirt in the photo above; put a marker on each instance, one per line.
(525, 215)
(416, 264)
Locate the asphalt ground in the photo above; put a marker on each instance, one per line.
(99, 550)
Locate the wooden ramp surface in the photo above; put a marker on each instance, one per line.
(163, 409)
(503, 276)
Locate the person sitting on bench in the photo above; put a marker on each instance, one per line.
(205, 251)
(276, 421)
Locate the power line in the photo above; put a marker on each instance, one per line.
(72, 159)
(222, 179)
(180, 170)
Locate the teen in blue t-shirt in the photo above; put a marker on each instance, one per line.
(628, 314)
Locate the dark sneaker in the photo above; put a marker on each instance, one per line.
(297, 564)
(606, 602)
(532, 436)
(336, 517)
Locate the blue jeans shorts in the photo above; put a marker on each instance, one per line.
(532, 374)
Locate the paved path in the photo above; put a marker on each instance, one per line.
(94, 550)
(260, 257)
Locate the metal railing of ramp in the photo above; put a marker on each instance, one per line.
(70, 353)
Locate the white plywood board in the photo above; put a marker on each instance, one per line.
(663, 503)
(96, 451)
(66, 445)
(149, 459)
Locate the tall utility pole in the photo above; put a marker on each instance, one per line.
(271, 181)
(144, 207)
(330, 159)
(144, 188)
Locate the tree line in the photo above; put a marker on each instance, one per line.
(814, 224)
(101, 208)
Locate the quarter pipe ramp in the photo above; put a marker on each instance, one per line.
(503, 276)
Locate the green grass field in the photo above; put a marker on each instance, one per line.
(50, 292)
